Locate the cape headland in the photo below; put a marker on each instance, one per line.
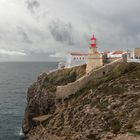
(99, 100)
(70, 104)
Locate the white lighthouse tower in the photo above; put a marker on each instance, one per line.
(94, 59)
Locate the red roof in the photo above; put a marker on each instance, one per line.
(117, 52)
(79, 54)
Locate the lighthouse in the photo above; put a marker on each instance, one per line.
(93, 42)
(95, 58)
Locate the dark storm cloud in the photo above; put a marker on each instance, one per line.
(24, 36)
(61, 32)
(32, 5)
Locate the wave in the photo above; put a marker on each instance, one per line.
(21, 132)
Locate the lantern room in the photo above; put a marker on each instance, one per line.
(93, 42)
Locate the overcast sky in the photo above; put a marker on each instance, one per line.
(41, 29)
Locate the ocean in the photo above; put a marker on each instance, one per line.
(15, 78)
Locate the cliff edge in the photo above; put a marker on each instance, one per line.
(41, 94)
(105, 108)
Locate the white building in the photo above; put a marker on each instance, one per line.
(133, 56)
(115, 54)
(76, 59)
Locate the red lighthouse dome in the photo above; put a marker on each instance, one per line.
(93, 42)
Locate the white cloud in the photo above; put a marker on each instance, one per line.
(49, 26)
(58, 55)
(11, 53)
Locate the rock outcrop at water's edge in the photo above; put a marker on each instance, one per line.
(107, 108)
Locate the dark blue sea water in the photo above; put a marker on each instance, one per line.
(15, 78)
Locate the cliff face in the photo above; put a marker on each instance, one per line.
(41, 95)
(106, 108)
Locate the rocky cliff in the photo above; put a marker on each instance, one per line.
(105, 108)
